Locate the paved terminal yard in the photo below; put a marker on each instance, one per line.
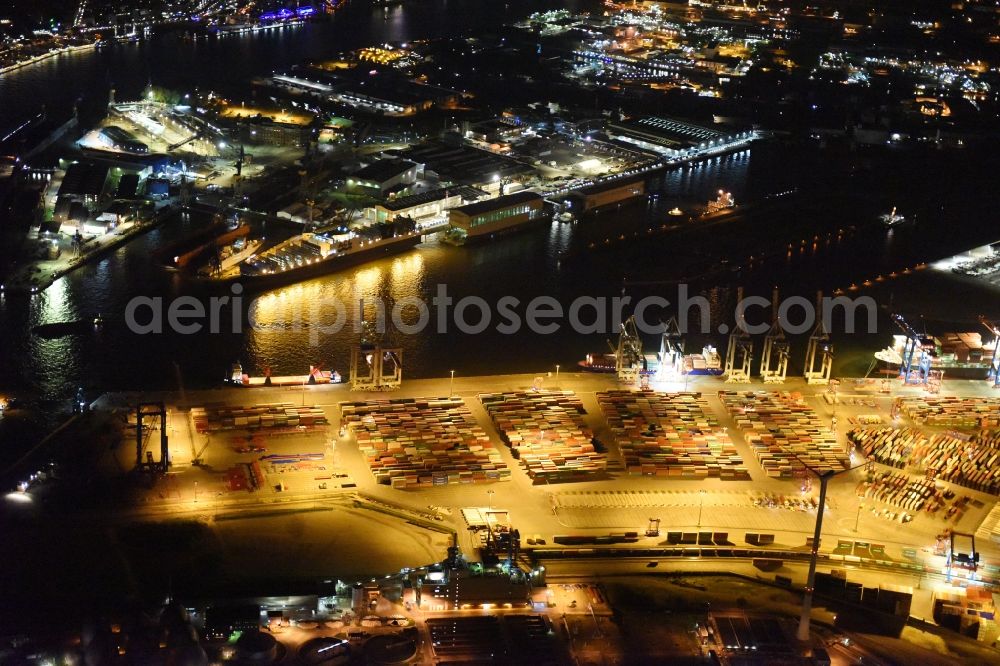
(240, 467)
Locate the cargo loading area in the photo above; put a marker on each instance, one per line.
(421, 442)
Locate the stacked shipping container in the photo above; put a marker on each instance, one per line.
(670, 435)
(546, 432)
(422, 442)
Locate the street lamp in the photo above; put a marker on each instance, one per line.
(857, 520)
(489, 494)
(701, 505)
(451, 385)
(557, 371)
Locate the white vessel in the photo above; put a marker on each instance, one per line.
(708, 362)
(721, 203)
(892, 218)
(231, 255)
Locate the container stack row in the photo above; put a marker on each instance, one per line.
(423, 442)
(546, 432)
(275, 417)
(670, 435)
(899, 489)
(974, 463)
(951, 411)
(784, 432)
(889, 446)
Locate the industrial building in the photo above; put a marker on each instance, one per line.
(607, 193)
(87, 184)
(499, 214)
(459, 163)
(116, 138)
(674, 138)
(429, 204)
(461, 588)
(385, 175)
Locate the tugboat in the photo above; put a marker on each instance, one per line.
(892, 219)
(722, 204)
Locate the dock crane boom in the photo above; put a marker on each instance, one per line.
(629, 360)
(994, 371)
(671, 355)
(740, 348)
(916, 356)
(774, 357)
(819, 345)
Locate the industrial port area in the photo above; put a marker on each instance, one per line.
(363, 332)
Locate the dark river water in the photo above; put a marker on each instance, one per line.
(830, 223)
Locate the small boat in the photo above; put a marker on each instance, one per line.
(675, 212)
(565, 216)
(62, 329)
(892, 218)
(599, 363)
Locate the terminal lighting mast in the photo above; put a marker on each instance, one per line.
(740, 346)
(774, 358)
(821, 347)
(671, 356)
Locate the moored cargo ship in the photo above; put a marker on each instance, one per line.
(317, 253)
(708, 362)
(230, 256)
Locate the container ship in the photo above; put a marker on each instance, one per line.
(311, 254)
(960, 355)
(708, 362)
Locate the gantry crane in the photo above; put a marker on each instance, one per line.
(376, 364)
(916, 357)
(820, 348)
(151, 410)
(774, 358)
(994, 373)
(670, 359)
(629, 360)
(740, 348)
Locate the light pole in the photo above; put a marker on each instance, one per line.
(701, 505)
(857, 521)
(557, 371)
(451, 385)
(824, 477)
(196, 492)
(489, 493)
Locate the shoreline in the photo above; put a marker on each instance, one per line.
(19, 286)
(47, 56)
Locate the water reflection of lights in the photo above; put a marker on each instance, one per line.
(54, 301)
(19, 497)
(367, 281)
